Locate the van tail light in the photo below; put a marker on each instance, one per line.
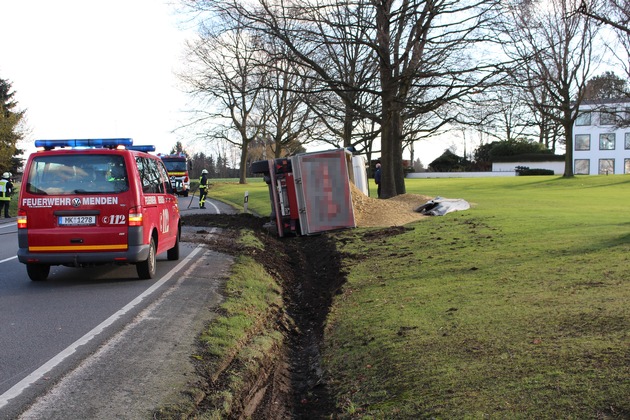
(21, 219)
(135, 216)
(186, 178)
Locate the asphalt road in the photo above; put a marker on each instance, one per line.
(98, 342)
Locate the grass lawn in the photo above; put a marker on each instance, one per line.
(516, 308)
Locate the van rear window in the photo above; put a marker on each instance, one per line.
(77, 174)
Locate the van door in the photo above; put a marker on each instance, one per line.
(158, 213)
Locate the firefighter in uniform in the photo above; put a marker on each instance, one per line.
(6, 189)
(203, 188)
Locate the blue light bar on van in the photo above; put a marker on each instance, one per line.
(112, 143)
(143, 148)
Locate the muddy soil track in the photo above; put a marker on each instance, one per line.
(308, 268)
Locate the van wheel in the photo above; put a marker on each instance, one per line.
(37, 272)
(173, 253)
(186, 193)
(146, 269)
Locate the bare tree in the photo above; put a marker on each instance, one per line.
(555, 47)
(421, 50)
(614, 13)
(227, 79)
(287, 115)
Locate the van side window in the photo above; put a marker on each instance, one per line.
(149, 176)
(166, 180)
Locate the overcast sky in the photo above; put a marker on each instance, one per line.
(104, 68)
(94, 69)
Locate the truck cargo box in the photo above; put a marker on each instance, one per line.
(310, 192)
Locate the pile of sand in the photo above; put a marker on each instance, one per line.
(395, 211)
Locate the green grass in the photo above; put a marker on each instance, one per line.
(516, 308)
(250, 292)
(237, 343)
(230, 191)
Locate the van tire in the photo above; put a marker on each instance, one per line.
(173, 253)
(146, 269)
(186, 193)
(37, 272)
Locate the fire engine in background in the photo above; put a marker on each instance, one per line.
(177, 168)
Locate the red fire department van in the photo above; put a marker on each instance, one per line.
(95, 201)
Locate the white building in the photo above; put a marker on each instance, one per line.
(600, 146)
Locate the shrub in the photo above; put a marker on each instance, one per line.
(524, 171)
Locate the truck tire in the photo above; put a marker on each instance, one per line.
(260, 167)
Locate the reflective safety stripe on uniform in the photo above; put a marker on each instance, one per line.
(203, 191)
(3, 190)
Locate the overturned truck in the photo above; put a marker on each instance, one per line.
(310, 192)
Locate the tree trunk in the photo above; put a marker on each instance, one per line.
(347, 127)
(243, 169)
(388, 186)
(397, 148)
(568, 137)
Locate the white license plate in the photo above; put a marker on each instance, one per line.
(77, 220)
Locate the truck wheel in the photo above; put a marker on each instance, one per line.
(260, 167)
(173, 253)
(146, 269)
(37, 272)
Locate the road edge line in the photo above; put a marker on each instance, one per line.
(39, 373)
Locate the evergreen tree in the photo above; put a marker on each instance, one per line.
(221, 167)
(10, 130)
(178, 148)
(606, 86)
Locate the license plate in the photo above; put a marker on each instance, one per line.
(77, 220)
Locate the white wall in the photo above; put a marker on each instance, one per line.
(459, 174)
(594, 158)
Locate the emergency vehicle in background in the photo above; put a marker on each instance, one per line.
(177, 168)
(95, 201)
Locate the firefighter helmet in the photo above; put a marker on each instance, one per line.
(205, 171)
(6, 175)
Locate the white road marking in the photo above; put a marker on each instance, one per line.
(39, 373)
(6, 225)
(215, 207)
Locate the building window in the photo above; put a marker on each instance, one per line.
(584, 118)
(607, 116)
(627, 142)
(607, 141)
(606, 166)
(626, 166)
(582, 166)
(583, 142)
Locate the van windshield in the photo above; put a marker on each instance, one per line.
(77, 174)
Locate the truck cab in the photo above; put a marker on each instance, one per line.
(177, 168)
